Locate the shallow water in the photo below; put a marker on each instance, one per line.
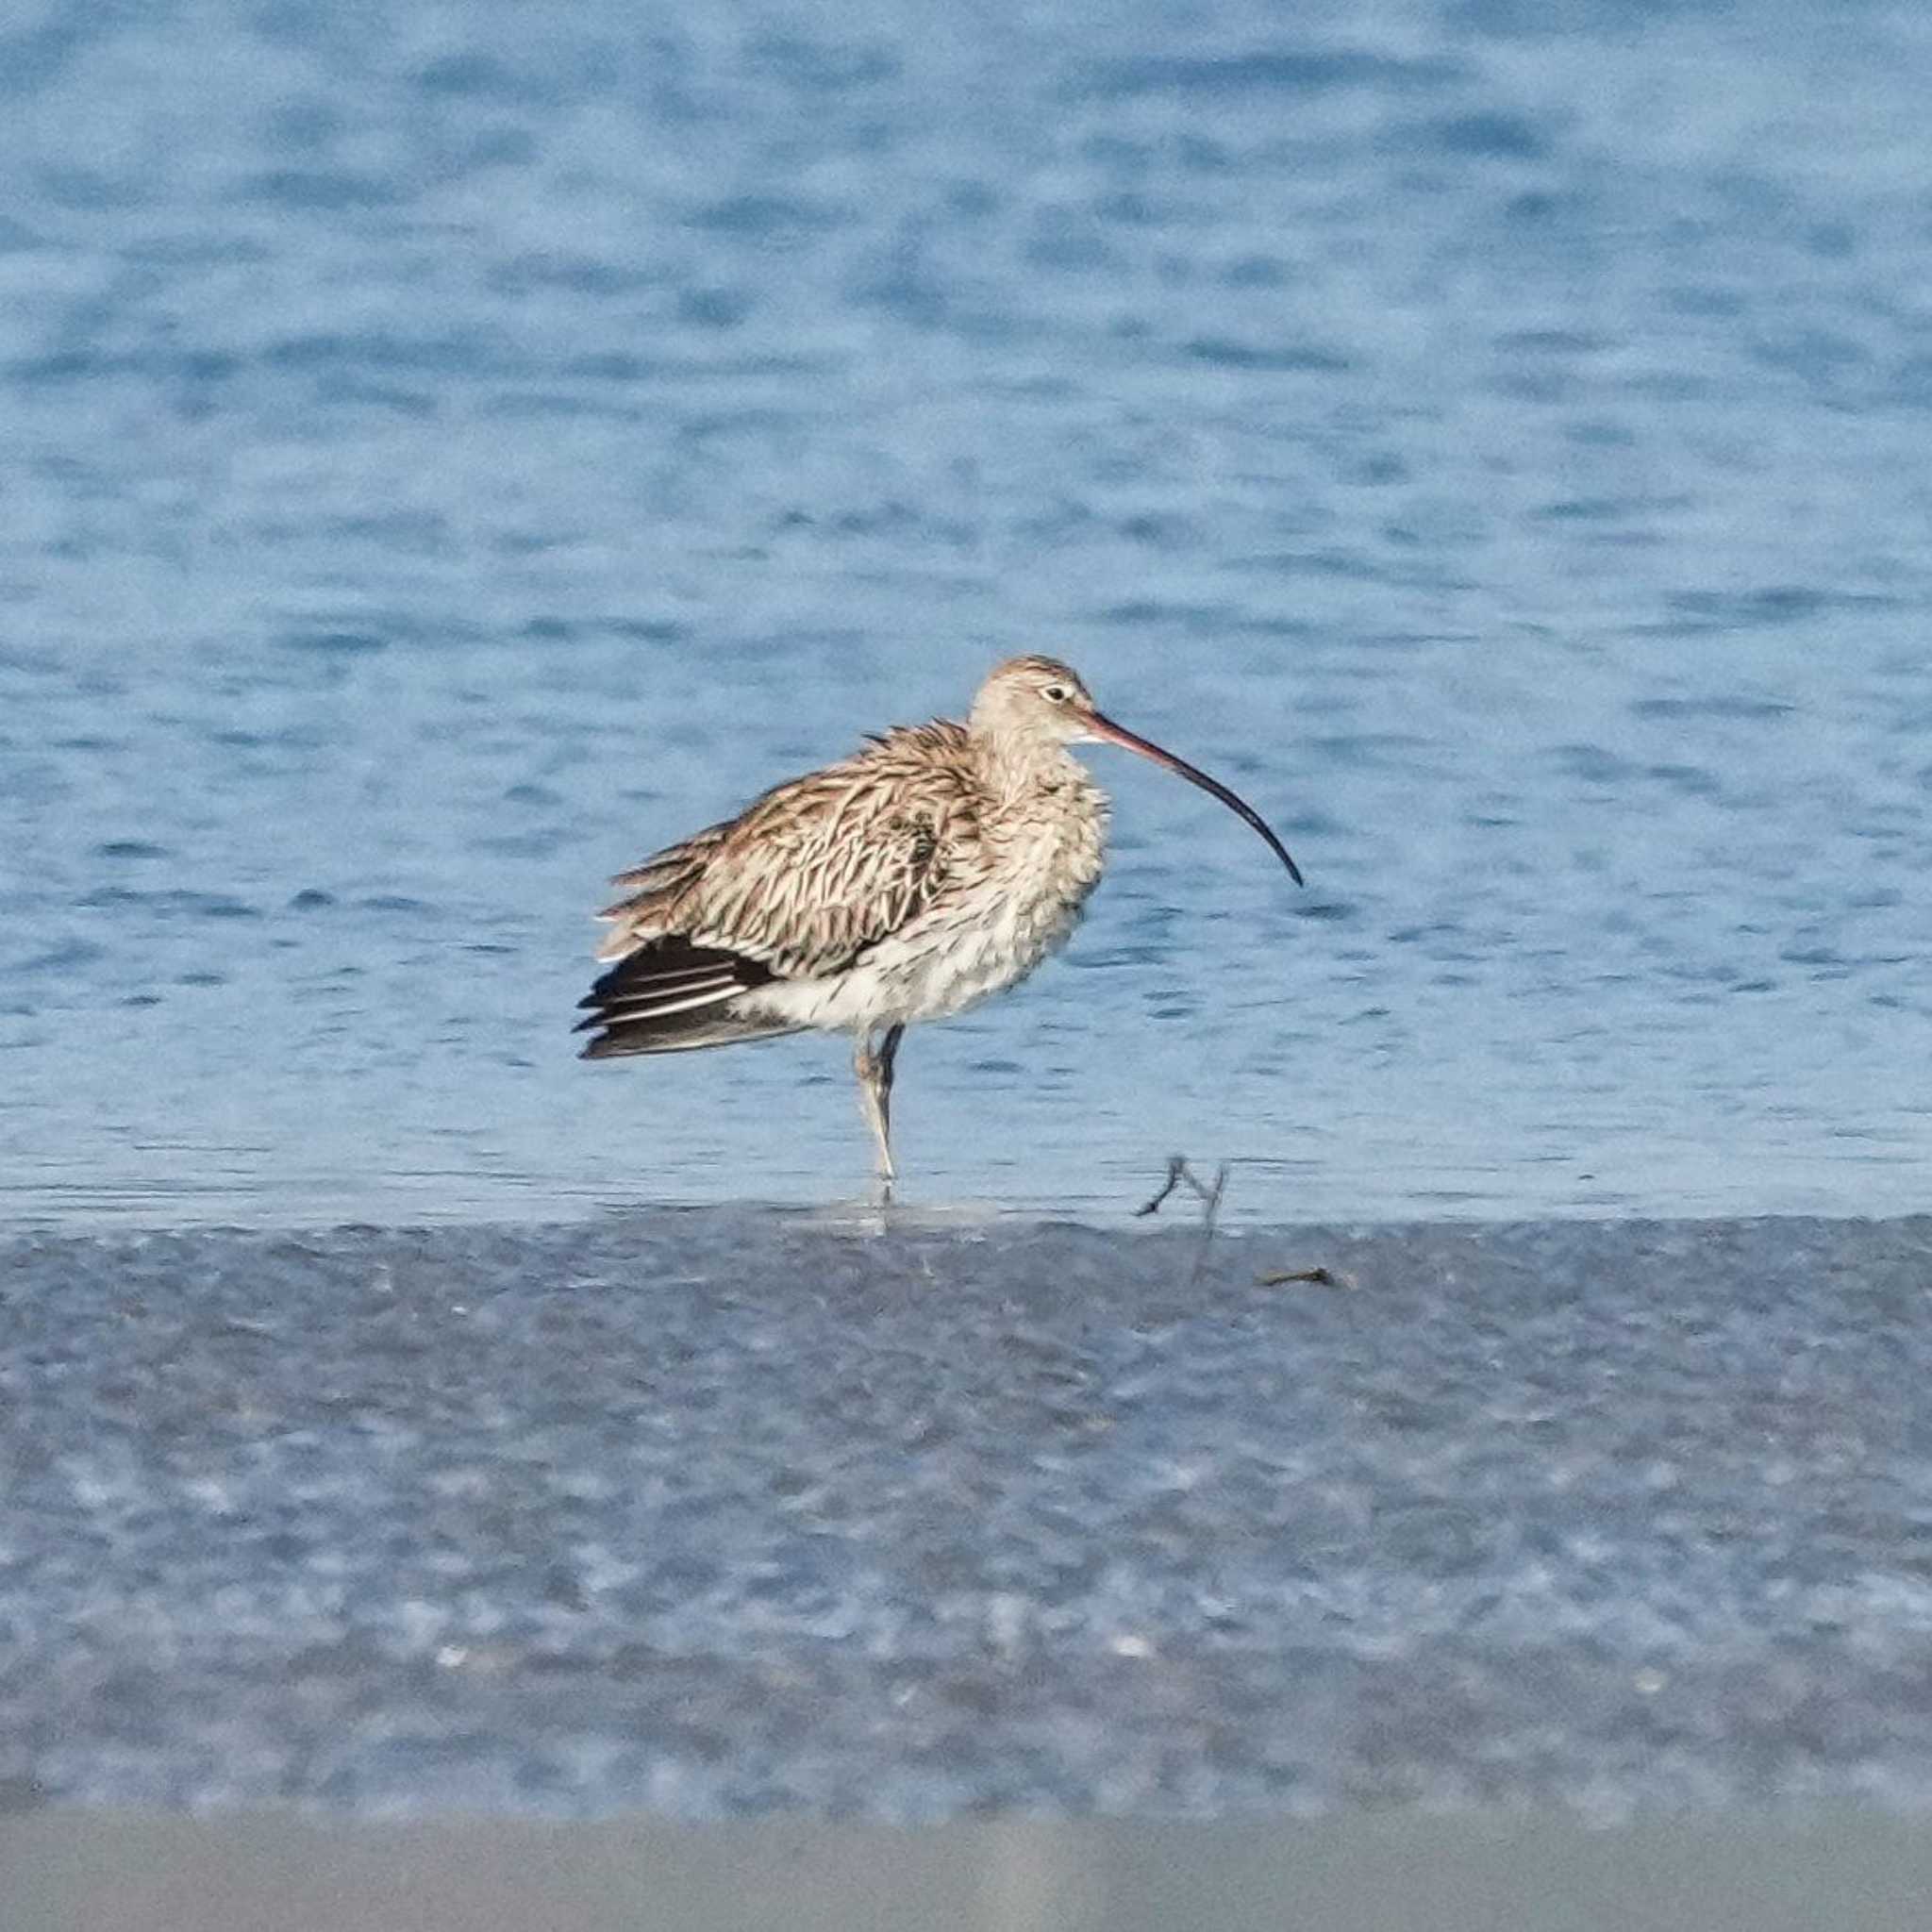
(1491, 437)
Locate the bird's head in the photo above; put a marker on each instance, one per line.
(1028, 704)
(1029, 701)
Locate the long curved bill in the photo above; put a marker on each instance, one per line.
(1106, 729)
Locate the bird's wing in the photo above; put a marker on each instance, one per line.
(815, 872)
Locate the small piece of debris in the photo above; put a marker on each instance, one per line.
(1321, 1277)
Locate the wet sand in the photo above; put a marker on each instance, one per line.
(717, 1514)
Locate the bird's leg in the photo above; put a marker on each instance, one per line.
(875, 1071)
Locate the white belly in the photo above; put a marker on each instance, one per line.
(975, 944)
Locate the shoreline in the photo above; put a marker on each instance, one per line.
(1181, 1214)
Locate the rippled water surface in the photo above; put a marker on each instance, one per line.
(452, 449)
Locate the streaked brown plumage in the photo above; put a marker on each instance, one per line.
(941, 863)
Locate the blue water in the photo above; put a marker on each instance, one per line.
(449, 450)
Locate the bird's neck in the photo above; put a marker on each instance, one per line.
(1012, 772)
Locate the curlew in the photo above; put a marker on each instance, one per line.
(941, 863)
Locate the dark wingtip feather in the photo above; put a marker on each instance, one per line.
(669, 996)
(683, 1032)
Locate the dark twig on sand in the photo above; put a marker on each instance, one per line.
(1180, 1175)
(1321, 1277)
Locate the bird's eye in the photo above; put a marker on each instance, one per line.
(1055, 693)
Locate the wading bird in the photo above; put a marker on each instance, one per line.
(941, 863)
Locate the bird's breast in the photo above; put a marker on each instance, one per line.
(1013, 894)
(1045, 858)
(1017, 905)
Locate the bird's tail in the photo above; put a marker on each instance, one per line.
(672, 996)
